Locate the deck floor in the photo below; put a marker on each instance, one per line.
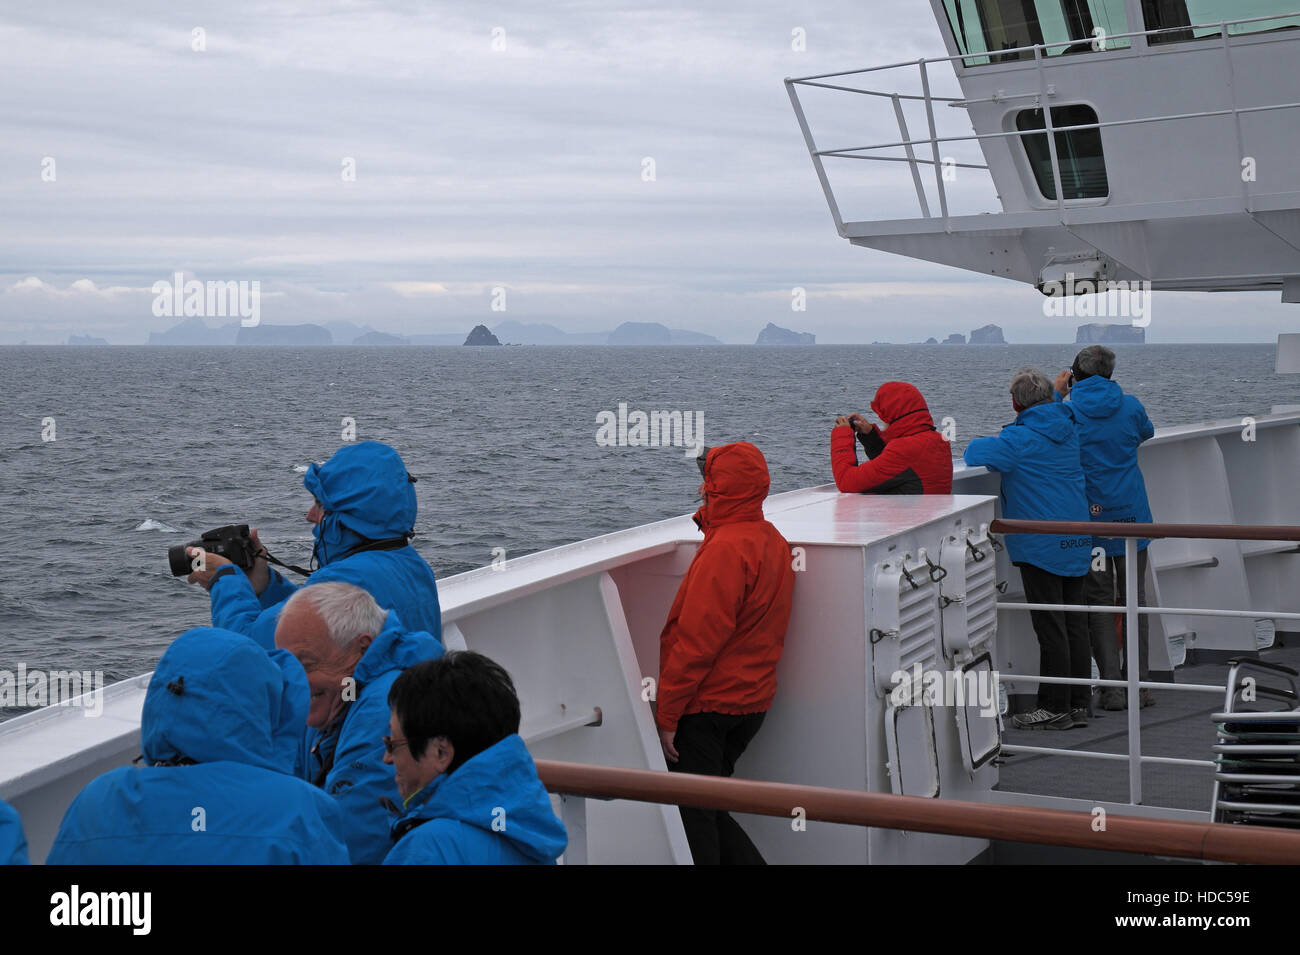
(1177, 725)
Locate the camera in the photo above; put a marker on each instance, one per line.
(231, 542)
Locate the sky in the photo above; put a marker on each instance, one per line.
(600, 162)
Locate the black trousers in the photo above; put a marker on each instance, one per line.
(1107, 588)
(1064, 648)
(708, 744)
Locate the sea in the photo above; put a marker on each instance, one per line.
(109, 456)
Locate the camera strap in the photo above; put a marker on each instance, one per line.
(271, 560)
(391, 543)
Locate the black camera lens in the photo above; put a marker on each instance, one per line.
(181, 562)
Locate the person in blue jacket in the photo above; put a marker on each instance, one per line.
(13, 841)
(363, 516)
(353, 652)
(1111, 425)
(1042, 479)
(470, 791)
(220, 728)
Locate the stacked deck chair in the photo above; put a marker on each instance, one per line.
(1257, 754)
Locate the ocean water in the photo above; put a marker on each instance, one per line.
(151, 446)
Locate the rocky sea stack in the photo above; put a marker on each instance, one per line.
(481, 335)
(776, 335)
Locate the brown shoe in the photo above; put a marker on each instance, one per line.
(1146, 698)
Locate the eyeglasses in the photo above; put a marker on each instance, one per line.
(391, 744)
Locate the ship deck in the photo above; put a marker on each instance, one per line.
(1179, 725)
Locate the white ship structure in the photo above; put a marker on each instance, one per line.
(1137, 141)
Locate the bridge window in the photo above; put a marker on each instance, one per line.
(989, 27)
(1083, 168)
(1169, 15)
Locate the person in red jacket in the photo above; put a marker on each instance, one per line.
(719, 649)
(908, 457)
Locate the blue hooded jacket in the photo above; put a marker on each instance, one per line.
(492, 810)
(367, 495)
(1042, 480)
(225, 717)
(13, 841)
(1111, 425)
(347, 760)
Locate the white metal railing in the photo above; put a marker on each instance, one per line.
(1132, 533)
(1041, 96)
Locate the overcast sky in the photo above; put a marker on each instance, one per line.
(476, 167)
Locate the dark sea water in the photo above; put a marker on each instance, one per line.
(154, 445)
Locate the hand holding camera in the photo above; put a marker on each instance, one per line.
(231, 544)
(855, 421)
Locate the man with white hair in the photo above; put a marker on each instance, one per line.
(1042, 480)
(352, 651)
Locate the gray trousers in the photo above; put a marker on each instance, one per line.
(1106, 589)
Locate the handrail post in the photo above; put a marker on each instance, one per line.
(574, 812)
(816, 159)
(911, 156)
(1051, 133)
(934, 145)
(1131, 638)
(1236, 117)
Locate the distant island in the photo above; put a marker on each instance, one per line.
(283, 335)
(653, 333)
(86, 340)
(480, 335)
(1098, 333)
(776, 335)
(987, 335)
(379, 338)
(194, 331)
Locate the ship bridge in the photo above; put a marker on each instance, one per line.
(1066, 143)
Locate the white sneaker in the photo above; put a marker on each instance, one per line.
(1041, 719)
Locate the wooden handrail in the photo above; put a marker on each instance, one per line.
(1209, 841)
(1254, 532)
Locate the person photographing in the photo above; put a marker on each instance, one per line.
(907, 457)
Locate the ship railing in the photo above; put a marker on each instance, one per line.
(1207, 841)
(1041, 97)
(1132, 533)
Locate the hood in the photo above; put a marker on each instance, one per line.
(367, 494)
(903, 410)
(735, 483)
(1051, 419)
(1096, 397)
(395, 648)
(217, 695)
(502, 777)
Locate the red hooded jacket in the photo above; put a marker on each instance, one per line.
(909, 457)
(726, 629)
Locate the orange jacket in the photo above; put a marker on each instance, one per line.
(908, 457)
(719, 649)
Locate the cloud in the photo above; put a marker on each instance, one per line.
(518, 165)
(81, 288)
